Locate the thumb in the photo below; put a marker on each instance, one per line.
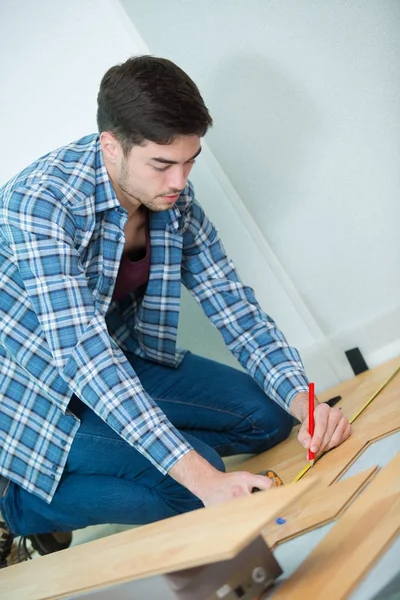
(303, 436)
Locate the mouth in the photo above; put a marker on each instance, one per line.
(172, 198)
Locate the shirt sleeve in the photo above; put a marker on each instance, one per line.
(250, 334)
(40, 233)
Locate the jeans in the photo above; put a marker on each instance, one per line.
(221, 411)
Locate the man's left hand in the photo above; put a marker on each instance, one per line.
(331, 427)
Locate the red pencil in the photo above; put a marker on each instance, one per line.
(310, 456)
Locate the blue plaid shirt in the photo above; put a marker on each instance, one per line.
(61, 240)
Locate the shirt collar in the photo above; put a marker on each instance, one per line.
(105, 197)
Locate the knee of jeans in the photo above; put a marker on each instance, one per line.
(285, 426)
(278, 431)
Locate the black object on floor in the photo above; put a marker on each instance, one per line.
(46, 543)
(333, 401)
(356, 361)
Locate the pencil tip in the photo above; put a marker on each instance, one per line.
(311, 462)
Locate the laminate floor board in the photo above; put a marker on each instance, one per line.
(382, 416)
(315, 508)
(182, 542)
(351, 547)
(356, 391)
(379, 452)
(292, 552)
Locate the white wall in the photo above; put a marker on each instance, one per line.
(53, 55)
(305, 97)
(56, 54)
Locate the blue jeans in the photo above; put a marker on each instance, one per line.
(221, 411)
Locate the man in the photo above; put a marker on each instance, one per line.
(102, 419)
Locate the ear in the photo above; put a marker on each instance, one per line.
(110, 146)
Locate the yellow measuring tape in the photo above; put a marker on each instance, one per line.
(353, 418)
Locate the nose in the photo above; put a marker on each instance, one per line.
(177, 178)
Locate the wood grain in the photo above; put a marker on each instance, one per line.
(315, 508)
(289, 458)
(357, 390)
(347, 552)
(380, 419)
(189, 540)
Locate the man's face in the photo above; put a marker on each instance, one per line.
(154, 175)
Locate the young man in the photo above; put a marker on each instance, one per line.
(102, 419)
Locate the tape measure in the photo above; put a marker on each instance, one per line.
(277, 481)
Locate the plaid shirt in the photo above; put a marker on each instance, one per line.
(61, 240)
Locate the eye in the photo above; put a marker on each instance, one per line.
(161, 168)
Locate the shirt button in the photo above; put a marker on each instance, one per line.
(52, 476)
(120, 210)
(54, 467)
(63, 443)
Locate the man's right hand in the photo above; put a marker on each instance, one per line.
(212, 486)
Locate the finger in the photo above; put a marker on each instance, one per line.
(336, 437)
(303, 436)
(260, 482)
(334, 420)
(341, 433)
(321, 418)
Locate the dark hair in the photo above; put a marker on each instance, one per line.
(150, 98)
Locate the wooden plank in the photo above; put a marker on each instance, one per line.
(382, 415)
(288, 459)
(315, 508)
(352, 546)
(374, 395)
(357, 390)
(189, 540)
(382, 418)
(335, 463)
(328, 468)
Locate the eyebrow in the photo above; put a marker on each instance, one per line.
(165, 161)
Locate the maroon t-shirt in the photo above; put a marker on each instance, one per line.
(132, 274)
